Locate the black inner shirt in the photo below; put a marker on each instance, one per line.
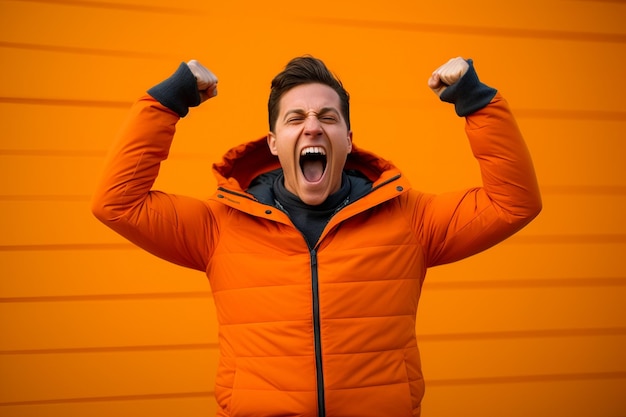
(310, 220)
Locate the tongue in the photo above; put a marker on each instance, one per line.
(313, 170)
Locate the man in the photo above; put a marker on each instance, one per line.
(315, 249)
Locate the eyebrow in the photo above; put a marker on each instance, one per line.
(322, 111)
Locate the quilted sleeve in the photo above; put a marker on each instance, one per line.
(459, 224)
(175, 228)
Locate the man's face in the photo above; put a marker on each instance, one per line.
(312, 141)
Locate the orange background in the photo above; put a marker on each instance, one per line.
(92, 326)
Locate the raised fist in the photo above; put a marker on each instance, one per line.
(447, 74)
(207, 81)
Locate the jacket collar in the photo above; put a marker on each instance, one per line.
(241, 165)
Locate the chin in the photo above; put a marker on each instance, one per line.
(313, 200)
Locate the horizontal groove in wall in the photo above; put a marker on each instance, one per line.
(522, 334)
(108, 297)
(66, 247)
(66, 102)
(567, 239)
(118, 53)
(112, 349)
(583, 189)
(53, 152)
(622, 2)
(170, 396)
(50, 198)
(69, 153)
(503, 32)
(596, 115)
(143, 8)
(526, 283)
(592, 376)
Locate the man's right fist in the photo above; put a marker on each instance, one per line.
(207, 81)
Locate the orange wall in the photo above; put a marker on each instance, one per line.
(90, 325)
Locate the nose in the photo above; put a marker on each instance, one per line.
(312, 126)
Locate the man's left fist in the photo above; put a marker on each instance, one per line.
(447, 74)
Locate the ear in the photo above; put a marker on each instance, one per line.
(349, 141)
(271, 143)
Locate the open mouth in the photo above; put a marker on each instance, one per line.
(313, 163)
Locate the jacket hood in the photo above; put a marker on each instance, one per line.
(243, 163)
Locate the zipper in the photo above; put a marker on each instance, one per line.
(321, 401)
(317, 331)
(321, 404)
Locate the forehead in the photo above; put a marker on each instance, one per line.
(310, 97)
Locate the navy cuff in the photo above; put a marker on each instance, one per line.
(468, 94)
(178, 92)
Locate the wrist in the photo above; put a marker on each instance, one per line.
(468, 94)
(178, 92)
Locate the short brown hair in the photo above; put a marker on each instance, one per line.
(305, 70)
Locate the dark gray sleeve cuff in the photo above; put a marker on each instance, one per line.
(468, 94)
(178, 92)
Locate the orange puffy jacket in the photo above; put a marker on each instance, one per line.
(328, 331)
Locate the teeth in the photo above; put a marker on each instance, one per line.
(316, 150)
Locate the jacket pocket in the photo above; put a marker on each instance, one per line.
(415, 379)
(225, 382)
